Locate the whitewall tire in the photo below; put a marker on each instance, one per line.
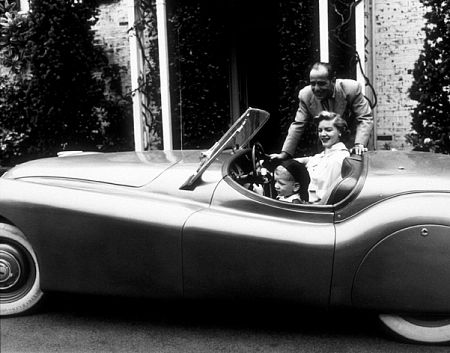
(19, 272)
(418, 329)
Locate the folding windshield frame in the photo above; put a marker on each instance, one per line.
(238, 136)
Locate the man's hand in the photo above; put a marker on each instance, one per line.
(358, 149)
(280, 156)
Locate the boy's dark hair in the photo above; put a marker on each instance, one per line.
(300, 175)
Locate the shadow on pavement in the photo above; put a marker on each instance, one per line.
(250, 315)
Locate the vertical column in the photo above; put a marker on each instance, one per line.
(323, 30)
(164, 74)
(360, 33)
(135, 70)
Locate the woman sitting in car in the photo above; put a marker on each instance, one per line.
(325, 168)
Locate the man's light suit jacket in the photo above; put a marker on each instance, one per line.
(347, 100)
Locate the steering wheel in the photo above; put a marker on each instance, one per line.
(261, 174)
(257, 155)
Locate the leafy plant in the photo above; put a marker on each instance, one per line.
(61, 92)
(15, 32)
(431, 86)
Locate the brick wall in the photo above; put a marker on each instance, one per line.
(111, 31)
(398, 40)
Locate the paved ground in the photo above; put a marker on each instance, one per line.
(69, 323)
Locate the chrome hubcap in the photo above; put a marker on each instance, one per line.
(9, 270)
(5, 271)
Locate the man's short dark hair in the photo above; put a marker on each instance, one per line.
(327, 66)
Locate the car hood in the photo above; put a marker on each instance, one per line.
(134, 169)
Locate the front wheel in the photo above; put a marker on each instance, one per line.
(423, 329)
(19, 272)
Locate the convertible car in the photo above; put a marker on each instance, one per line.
(163, 224)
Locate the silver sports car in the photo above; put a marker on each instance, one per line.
(163, 224)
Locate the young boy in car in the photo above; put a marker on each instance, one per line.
(291, 182)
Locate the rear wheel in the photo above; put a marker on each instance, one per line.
(424, 329)
(19, 272)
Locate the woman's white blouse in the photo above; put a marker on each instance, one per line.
(324, 168)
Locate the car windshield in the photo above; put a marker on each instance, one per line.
(238, 136)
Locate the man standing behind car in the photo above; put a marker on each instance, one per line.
(340, 96)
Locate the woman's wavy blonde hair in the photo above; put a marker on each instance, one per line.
(338, 122)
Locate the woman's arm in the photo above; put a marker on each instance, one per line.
(303, 160)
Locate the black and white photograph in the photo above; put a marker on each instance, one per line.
(224, 176)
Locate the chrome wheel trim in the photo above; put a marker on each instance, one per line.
(10, 269)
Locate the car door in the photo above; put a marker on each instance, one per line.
(250, 246)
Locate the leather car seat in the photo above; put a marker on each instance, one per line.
(350, 172)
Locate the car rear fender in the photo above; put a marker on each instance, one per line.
(409, 270)
(394, 254)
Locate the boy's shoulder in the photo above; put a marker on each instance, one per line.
(298, 201)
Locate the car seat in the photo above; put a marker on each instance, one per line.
(350, 172)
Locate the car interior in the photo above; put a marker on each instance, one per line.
(252, 167)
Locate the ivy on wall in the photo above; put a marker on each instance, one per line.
(200, 73)
(200, 62)
(145, 29)
(298, 50)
